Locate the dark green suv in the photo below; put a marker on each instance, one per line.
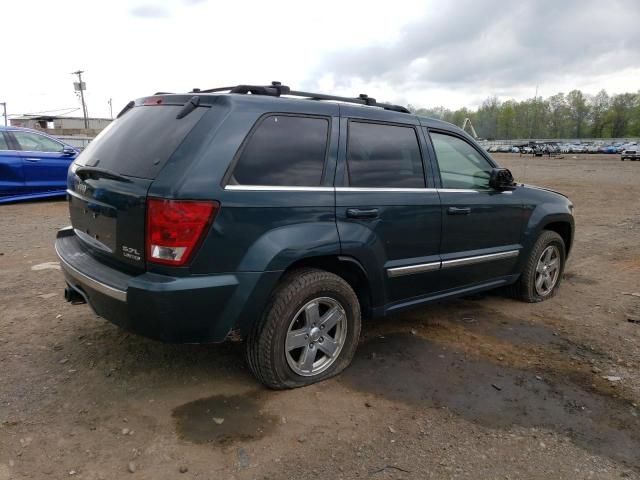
(286, 217)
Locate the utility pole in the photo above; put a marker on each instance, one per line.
(81, 86)
(111, 107)
(4, 107)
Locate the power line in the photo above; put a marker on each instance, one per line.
(66, 110)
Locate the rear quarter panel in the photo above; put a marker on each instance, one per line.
(254, 231)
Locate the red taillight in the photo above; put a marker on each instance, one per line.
(175, 228)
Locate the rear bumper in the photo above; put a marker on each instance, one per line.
(194, 309)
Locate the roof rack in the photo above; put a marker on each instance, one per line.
(276, 89)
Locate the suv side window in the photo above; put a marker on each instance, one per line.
(461, 166)
(3, 142)
(284, 150)
(384, 156)
(33, 142)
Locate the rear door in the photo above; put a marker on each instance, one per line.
(481, 227)
(44, 161)
(109, 181)
(387, 210)
(11, 175)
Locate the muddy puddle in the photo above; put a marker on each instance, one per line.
(411, 369)
(223, 419)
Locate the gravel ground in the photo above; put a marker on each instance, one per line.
(481, 387)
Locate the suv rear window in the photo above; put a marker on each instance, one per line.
(284, 150)
(384, 156)
(139, 143)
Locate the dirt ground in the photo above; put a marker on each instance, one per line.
(481, 387)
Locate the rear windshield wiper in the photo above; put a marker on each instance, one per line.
(188, 107)
(95, 172)
(126, 108)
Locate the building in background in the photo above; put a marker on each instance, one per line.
(69, 129)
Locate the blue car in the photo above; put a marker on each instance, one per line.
(32, 165)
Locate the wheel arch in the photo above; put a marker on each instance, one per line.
(347, 268)
(564, 228)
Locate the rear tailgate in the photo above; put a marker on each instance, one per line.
(109, 181)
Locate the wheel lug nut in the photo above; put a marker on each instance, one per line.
(321, 339)
(321, 327)
(306, 337)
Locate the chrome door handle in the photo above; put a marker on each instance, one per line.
(31, 159)
(459, 210)
(362, 213)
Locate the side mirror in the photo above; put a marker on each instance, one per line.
(501, 179)
(68, 151)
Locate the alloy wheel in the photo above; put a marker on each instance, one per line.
(316, 336)
(547, 270)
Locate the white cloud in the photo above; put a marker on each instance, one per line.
(131, 49)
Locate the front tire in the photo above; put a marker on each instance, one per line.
(543, 270)
(309, 331)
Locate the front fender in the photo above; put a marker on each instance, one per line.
(541, 217)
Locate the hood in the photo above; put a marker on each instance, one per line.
(545, 189)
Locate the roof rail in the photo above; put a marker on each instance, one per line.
(276, 89)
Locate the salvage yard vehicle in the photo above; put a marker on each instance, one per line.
(285, 217)
(32, 165)
(630, 153)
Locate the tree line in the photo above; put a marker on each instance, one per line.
(574, 115)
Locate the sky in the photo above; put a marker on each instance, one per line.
(424, 53)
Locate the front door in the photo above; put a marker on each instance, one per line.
(44, 161)
(481, 227)
(387, 211)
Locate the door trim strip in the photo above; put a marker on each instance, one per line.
(276, 188)
(411, 269)
(384, 189)
(458, 262)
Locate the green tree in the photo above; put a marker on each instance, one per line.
(506, 120)
(599, 106)
(620, 113)
(558, 116)
(487, 118)
(578, 111)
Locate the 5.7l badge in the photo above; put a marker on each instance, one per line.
(131, 253)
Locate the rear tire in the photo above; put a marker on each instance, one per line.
(537, 283)
(290, 347)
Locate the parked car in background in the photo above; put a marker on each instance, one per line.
(32, 164)
(592, 148)
(631, 153)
